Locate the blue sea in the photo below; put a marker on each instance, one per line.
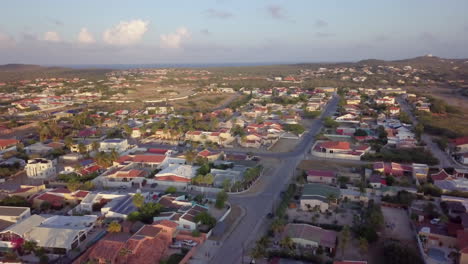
(165, 65)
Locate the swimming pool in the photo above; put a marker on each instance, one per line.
(436, 254)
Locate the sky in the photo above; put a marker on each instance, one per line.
(57, 32)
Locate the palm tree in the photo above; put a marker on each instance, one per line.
(287, 242)
(277, 225)
(344, 238)
(114, 227)
(363, 245)
(95, 145)
(30, 246)
(138, 200)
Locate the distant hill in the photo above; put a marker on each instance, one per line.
(20, 67)
(14, 72)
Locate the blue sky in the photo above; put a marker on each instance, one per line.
(221, 31)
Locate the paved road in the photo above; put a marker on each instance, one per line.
(444, 159)
(258, 202)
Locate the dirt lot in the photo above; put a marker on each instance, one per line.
(397, 224)
(203, 101)
(148, 91)
(327, 165)
(285, 145)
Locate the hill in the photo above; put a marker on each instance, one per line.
(15, 72)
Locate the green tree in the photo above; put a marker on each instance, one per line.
(29, 246)
(114, 227)
(205, 219)
(345, 236)
(138, 200)
(287, 243)
(329, 122)
(171, 189)
(363, 245)
(221, 199)
(82, 148)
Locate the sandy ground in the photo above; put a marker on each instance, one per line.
(285, 145)
(397, 224)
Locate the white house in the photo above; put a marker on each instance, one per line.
(14, 214)
(117, 144)
(40, 168)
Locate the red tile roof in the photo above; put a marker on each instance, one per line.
(55, 200)
(173, 178)
(460, 141)
(149, 158)
(158, 151)
(335, 145)
(130, 174)
(440, 176)
(80, 194)
(8, 142)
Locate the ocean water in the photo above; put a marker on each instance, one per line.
(165, 65)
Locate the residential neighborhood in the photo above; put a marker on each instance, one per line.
(229, 169)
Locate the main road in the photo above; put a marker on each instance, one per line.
(259, 200)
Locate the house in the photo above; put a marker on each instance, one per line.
(375, 181)
(14, 214)
(187, 219)
(339, 150)
(58, 233)
(394, 110)
(222, 137)
(354, 195)
(40, 168)
(26, 191)
(316, 195)
(117, 144)
(420, 171)
(7, 144)
(309, 236)
(119, 207)
(38, 149)
(85, 144)
(149, 161)
(334, 146)
(460, 144)
(149, 244)
(392, 168)
(464, 158)
(177, 173)
(441, 175)
(321, 176)
(210, 155)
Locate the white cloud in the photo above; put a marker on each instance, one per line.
(85, 36)
(174, 40)
(52, 36)
(6, 41)
(126, 32)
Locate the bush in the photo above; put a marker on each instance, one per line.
(413, 155)
(171, 189)
(221, 199)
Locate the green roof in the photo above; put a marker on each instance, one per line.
(319, 191)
